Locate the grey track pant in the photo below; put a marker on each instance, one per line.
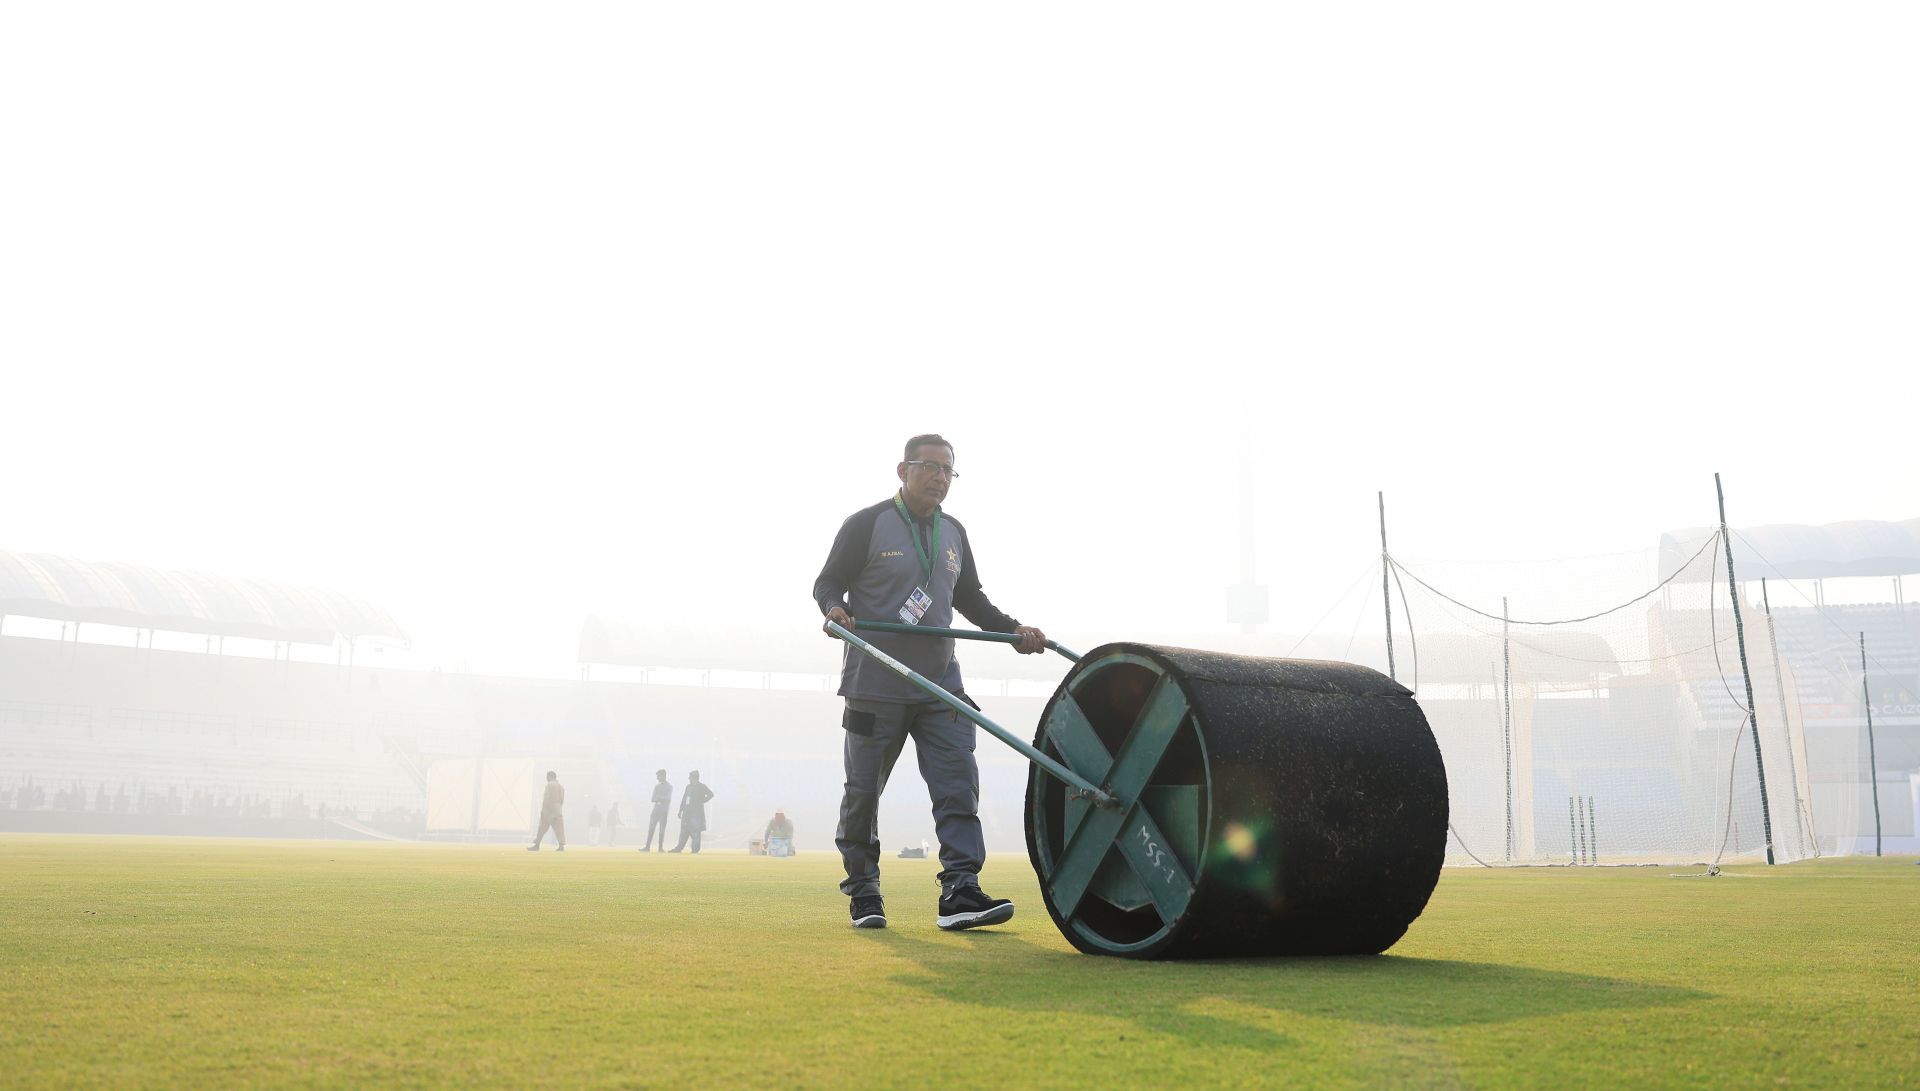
(943, 741)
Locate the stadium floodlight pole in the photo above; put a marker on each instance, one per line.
(1385, 597)
(1873, 766)
(1746, 672)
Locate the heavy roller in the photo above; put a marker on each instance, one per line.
(1193, 804)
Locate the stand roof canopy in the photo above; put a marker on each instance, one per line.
(62, 589)
(1795, 552)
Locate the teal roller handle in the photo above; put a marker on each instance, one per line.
(956, 634)
(1098, 797)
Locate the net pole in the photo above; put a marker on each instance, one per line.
(1506, 724)
(1386, 599)
(1746, 673)
(1873, 766)
(1780, 690)
(1493, 682)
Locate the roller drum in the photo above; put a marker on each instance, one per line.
(1269, 806)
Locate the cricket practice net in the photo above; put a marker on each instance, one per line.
(1596, 711)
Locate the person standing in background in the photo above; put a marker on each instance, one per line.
(613, 822)
(662, 799)
(693, 812)
(551, 801)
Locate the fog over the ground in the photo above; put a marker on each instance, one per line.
(505, 314)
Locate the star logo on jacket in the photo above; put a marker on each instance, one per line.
(953, 560)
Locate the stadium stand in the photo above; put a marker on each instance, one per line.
(1632, 715)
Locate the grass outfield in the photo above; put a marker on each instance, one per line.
(134, 961)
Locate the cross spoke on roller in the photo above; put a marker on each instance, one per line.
(1148, 852)
(1152, 731)
(1086, 851)
(1069, 734)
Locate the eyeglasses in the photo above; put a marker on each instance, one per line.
(945, 468)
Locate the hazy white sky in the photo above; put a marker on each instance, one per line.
(501, 314)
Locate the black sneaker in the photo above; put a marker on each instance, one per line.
(869, 911)
(969, 907)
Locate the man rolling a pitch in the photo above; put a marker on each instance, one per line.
(906, 560)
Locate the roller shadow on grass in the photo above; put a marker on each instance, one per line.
(1005, 971)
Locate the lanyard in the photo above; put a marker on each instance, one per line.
(926, 556)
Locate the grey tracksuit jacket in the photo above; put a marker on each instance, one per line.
(871, 570)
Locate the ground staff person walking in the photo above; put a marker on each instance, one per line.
(552, 799)
(904, 559)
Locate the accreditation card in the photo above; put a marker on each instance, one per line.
(916, 607)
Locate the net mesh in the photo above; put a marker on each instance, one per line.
(1595, 711)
